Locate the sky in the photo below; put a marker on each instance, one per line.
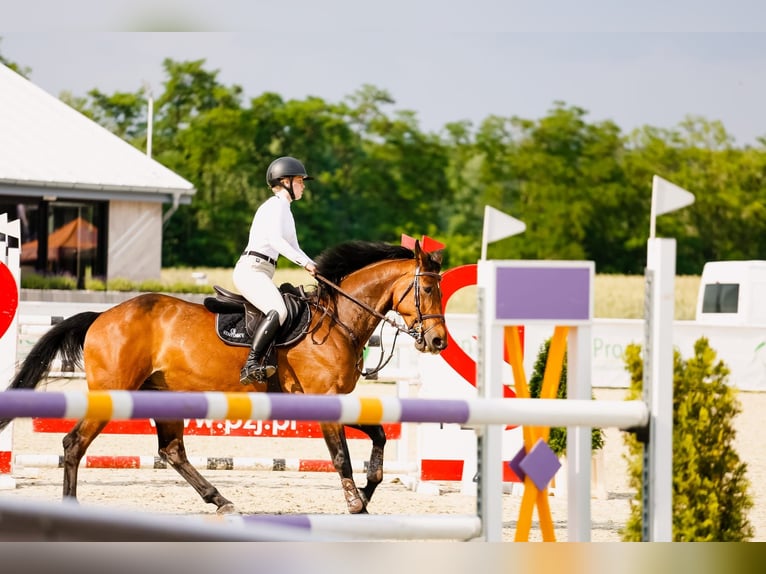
(654, 62)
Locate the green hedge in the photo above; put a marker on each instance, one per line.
(710, 485)
(35, 281)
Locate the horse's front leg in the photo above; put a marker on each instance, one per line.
(375, 465)
(335, 437)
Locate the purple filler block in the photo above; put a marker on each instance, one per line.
(515, 465)
(543, 293)
(541, 464)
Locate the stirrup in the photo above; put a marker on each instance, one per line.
(256, 374)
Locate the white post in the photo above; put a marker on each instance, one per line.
(658, 392)
(489, 498)
(579, 438)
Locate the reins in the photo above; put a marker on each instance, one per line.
(417, 334)
(374, 313)
(362, 304)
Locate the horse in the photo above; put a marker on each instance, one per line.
(156, 341)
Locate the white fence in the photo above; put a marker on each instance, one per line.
(743, 349)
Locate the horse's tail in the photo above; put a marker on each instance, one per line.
(65, 338)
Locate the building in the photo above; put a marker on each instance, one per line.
(88, 201)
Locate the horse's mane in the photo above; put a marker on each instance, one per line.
(339, 261)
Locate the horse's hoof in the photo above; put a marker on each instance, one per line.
(357, 505)
(227, 509)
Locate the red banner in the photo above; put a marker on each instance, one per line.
(203, 427)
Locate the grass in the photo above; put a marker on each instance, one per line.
(222, 277)
(615, 296)
(622, 297)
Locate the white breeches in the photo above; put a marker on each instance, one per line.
(254, 280)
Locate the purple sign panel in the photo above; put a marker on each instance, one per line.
(543, 293)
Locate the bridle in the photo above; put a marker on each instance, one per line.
(416, 330)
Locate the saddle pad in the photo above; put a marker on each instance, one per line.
(231, 328)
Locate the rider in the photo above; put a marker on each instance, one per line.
(272, 234)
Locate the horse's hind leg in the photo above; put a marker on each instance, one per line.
(76, 442)
(375, 465)
(335, 438)
(171, 448)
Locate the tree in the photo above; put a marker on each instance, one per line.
(19, 69)
(727, 219)
(582, 188)
(122, 113)
(568, 174)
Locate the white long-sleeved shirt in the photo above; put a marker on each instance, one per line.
(273, 232)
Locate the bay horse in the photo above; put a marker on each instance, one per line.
(158, 342)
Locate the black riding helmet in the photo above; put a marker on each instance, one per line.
(285, 167)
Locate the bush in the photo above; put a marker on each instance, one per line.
(710, 487)
(35, 281)
(557, 439)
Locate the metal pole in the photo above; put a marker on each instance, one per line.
(149, 118)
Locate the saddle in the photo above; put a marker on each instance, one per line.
(236, 318)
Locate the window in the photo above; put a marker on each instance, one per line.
(25, 211)
(721, 298)
(64, 237)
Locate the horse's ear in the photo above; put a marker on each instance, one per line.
(437, 256)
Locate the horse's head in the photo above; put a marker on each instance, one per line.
(418, 300)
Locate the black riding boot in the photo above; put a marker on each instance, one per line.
(253, 371)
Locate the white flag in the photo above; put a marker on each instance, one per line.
(666, 197)
(499, 225)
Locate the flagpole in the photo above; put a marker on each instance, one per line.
(485, 233)
(653, 211)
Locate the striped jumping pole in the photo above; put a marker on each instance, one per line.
(346, 409)
(67, 521)
(371, 527)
